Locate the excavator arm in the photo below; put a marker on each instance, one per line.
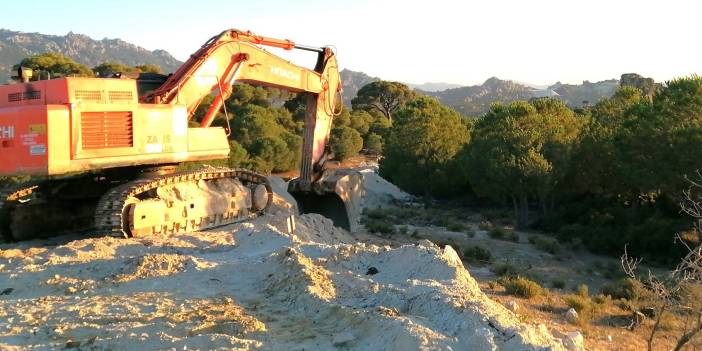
(235, 56)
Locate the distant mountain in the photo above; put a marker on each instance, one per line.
(14, 46)
(433, 87)
(352, 82)
(585, 94)
(475, 100)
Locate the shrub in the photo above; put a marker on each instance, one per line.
(505, 270)
(379, 226)
(544, 244)
(584, 290)
(485, 225)
(523, 287)
(627, 288)
(602, 299)
(377, 213)
(500, 233)
(558, 283)
(579, 303)
(455, 226)
(478, 254)
(345, 142)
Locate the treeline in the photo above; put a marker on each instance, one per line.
(607, 176)
(55, 65)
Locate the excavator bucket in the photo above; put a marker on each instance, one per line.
(337, 195)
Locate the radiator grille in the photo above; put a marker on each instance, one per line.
(27, 95)
(14, 97)
(89, 95)
(102, 130)
(116, 95)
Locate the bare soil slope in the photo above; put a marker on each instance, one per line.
(250, 286)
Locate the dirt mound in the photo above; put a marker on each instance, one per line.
(251, 286)
(157, 265)
(378, 192)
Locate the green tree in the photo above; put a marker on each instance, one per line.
(105, 69)
(597, 162)
(373, 144)
(421, 147)
(345, 142)
(360, 121)
(271, 147)
(661, 144)
(149, 68)
(520, 151)
(56, 65)
(238, 156)
(380, 126)
(382, 97)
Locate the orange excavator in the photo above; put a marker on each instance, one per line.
(104, 151)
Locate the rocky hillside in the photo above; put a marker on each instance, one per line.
(475, 100)
(578, 95)
(14, 46)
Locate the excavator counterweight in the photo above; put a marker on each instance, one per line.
(124, 145)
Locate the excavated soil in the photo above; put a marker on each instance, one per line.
(250, 286)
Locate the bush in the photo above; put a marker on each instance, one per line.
(455, 226)
(500, 233)
(377, 213)
(380, 226)
(345, 142)
(602, 299)
(558, 283)
(505, 270)
(485, 225)
(477, 254)
(522, 287)
(630, 289)
(544, 244)
(578, 302)
(584, 290)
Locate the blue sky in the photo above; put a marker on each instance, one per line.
(463, 42)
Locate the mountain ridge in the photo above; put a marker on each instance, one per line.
(469, 100)
(474, 100)
(17, 45)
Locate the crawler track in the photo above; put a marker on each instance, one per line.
(34, 210)
(113, 209)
